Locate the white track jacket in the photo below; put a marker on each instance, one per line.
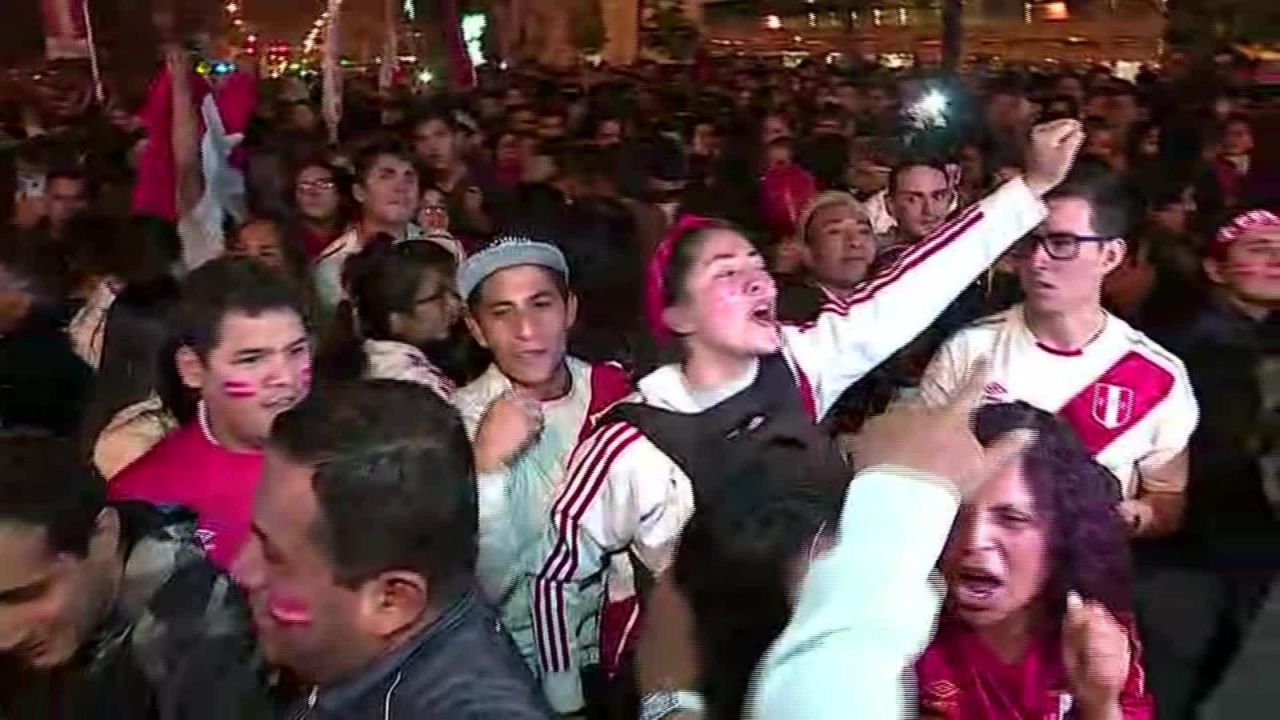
(623, 494)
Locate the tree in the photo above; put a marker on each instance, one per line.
(1206, 24)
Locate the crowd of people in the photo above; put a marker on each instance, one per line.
(711, 391)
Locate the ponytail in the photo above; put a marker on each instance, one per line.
(341, 355)
(380, 280)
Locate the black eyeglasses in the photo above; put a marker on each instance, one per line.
(313, 185)
(1059, 246)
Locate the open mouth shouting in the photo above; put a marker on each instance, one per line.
(765, 313)
(974, 588)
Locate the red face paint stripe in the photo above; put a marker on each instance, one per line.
(289, 611)
(239, 388)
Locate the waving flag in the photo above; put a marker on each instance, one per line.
(332, 103)
(66, 37)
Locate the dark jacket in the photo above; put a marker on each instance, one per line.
(461, 667)
(43, 383)
(178, 645)
(1229, 522)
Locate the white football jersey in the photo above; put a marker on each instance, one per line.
(1129, 400)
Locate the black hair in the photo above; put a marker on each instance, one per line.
(1110, 201)
(296, 265)
(368, 156)
(46, 484)
(223, 286)
(1088, 541)
(382, 279)
(342, 185)
(74, 174)
(136, 350)
(684, 251)
(733, 565)
(394, 482)
(603, 250)
(1070, 102)
(901, 169)
(436, 113)
(38, 273)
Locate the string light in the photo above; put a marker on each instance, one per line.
(311, 41)
(235, 18)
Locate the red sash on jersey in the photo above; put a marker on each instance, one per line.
(618, 619)
(609, 384)
(1117, 400)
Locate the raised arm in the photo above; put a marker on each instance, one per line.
(851, 337)
(186, 133)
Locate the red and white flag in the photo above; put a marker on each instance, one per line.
(66, 37)
(331, 106)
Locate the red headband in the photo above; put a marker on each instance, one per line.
(654, 282)
(1239, 226)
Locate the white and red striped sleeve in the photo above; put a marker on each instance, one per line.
(620, 492)
(851, 337)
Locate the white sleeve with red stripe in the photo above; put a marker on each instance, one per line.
(851, 337)
(621, 492)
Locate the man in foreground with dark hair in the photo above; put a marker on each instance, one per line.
(361, 563)
(111, 610)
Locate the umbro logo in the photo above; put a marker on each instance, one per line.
(207, 538)
(994, 391)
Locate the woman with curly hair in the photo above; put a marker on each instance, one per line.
(1037, 624)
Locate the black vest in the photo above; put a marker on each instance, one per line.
(766, 426)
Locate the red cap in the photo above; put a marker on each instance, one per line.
(1239, 226)
(653, 286)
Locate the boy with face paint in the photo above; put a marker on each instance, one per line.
(525, 413)
(111, 609)
(245, 351)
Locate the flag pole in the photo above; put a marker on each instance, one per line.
(94, 69)
(332, 90)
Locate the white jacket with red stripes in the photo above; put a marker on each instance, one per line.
(623, 494)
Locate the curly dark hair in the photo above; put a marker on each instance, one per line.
(1088, 543)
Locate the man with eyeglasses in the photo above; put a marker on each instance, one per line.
(1129, 400)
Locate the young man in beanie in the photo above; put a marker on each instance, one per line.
(526, 413)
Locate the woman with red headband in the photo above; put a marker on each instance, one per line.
(748, 391)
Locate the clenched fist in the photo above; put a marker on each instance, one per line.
(1052, 152)
(510, 425)
(1096, 655)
